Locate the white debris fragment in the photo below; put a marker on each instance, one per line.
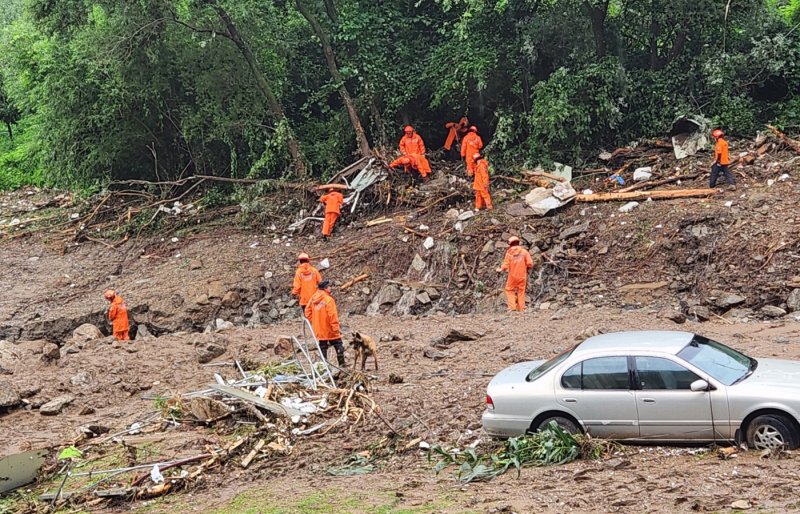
(325, 263)
(174, 239)
(784, 177)
(628, 207)
(155, 475)
(729, 203)
(428, 243)
(424, 227)
(770, 182)
(74, 216)
(642, 174)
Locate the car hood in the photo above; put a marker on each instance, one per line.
(514, 374)
(777, 373)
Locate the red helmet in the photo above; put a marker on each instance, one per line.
(408, 129)
(717, 133)
(473, 128)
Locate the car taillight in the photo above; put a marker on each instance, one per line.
(489, 402)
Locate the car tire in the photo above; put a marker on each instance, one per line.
(771, 431)
(566, 424)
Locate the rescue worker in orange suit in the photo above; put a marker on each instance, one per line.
(306, 279)
(721, 161)
(517, 262)
(411, 163)
(333, 201)
(457, 131)
(481, 183)
(470, 145)
(412, 144)
(321, 312)
(118, 315)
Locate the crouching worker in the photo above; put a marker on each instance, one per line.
(412, 163)
(321, 312)
(118, 315)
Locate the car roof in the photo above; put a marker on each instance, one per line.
(660, 340)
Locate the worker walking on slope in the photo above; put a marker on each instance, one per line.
(306, 279)
(721, 161)
(333, 201)
(411, 144)
(118, 315)
(481, 183)
(517, 262)
(470, 145)
(321, 311)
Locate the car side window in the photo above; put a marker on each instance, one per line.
(658, 373)
(571, 379)
(603, 373)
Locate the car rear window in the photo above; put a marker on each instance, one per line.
(548, 365)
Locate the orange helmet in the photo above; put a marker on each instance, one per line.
(303, 257)
(408, 129)
(717, 133)
(476, 156)
(513, 240)
(473, 128)
(110, 294)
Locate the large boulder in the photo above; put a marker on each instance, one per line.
(54, 406)
(9, 397)
(86, 332)
(728, 300)
(388, 295)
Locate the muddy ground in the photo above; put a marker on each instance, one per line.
(724, 266)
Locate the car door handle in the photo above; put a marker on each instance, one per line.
(571, 400)
(649, 400)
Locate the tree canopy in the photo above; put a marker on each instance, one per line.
(156, 89)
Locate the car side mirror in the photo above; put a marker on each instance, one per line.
(699, 385)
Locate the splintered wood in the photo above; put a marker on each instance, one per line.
(644, 195)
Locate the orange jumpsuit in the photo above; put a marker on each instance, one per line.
(306, 279)
(118, 315)
(321, 311)
(414, 147)
(457, 131)
(418, 163)
(470, 145)
(481, 186)
(333, 202)
(517, 262)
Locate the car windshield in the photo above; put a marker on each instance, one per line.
(722, 363)
(548, 365)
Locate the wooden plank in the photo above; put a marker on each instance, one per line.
(252, 455)
(644, 195)
(274, 407)
(654, 183)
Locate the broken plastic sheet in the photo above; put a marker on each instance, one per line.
(689, 135)
(543, 200)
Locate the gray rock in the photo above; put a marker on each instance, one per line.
(29, 391)
(195, 264)
(388, 295)
(464, 216)
(519, 210)
(221, 324)
(81, 379)
(574, 230)
(676, 316)
(433, 293)
(772, 311)
(699, 313)
(793, 301)
(418, 263)
(50, 351)
(86, 332)
(739, 313)
(435, 355)
(366, 290)
(209, 352)
(9, 397)
(487, 248)
(201, 299)
(54, 406)
(728, 300)
(423, 298)
(273, 313)
(451, 214)
(700, 231)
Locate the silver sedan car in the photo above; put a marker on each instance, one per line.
(651, 386)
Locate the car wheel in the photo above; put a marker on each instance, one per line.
(771, 431)
(566, 424)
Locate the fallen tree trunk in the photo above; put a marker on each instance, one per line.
(654, 183)
(353, 281)
(791, 143)
(644, 195)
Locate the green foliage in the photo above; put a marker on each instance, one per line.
(157, 89)
(552, 446)
(70, 452)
